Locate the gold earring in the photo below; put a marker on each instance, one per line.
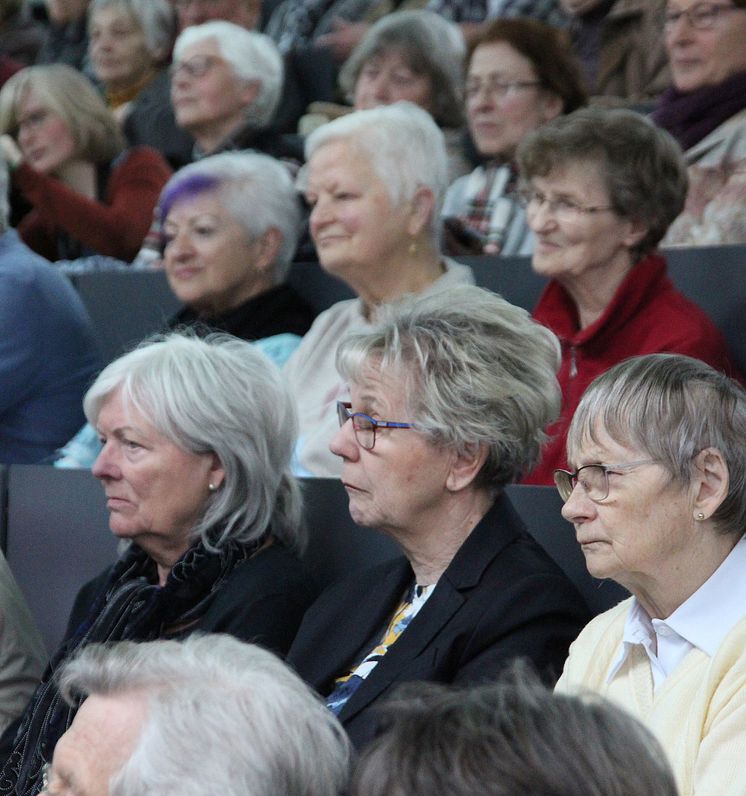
(412, 247)
(700, 515)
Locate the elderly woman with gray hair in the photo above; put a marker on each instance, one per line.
(375, 180)
(657, 452)
(600, 189)
(450, 394)
(414, 56)
(197, 436)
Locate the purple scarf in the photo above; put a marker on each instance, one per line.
(692, 116)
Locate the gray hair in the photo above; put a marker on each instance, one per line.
(477, 370)
(671, 407)
(404, 146)
(69, 94)
(510, 738)
(252, 56)
(222, 717)
(255, 189)
(218, 395)
(642, 165)
(430, 45)
(156, 19)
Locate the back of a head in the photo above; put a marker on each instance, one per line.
(223, 717)
(513, 738)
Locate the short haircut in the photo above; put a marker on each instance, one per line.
(156, 18)
(548, 49)
(511, 738)
(476, 369)
(403, 145)
(71, 96)
(252, 56)
(255, 189)
(430, 46)
(218, 395)
(671, 407)
(222, 717)
(642, 165)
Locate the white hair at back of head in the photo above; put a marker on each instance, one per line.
(156, 18)
(4, 200)
(252, 56)
(402, 143)
(223, 717)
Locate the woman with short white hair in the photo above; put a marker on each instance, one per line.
(375, 181)
(197, 436)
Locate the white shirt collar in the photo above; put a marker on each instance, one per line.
(702, 621)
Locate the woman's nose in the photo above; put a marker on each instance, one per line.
(344, 444)
(105, 466)
(578, 506)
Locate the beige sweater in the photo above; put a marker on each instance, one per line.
(698, 714)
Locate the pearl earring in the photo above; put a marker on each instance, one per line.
(700, 515)
(212, 487)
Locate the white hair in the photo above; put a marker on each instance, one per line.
(222, 717)
(403, 145)
(4, 201)
(253, 57)
(255, 189)
(218, 395)
(156, 18)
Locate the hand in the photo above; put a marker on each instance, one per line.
(343, 39)
(12, 154)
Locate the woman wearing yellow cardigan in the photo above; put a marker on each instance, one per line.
(658, 501)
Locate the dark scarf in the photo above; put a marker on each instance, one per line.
(132, 606)
(692, 116)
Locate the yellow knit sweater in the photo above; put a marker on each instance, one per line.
(698, 714)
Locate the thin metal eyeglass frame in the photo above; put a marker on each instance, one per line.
(498, 88)
(671, 18)
(344, 414)
(566, 481)
(528, 196)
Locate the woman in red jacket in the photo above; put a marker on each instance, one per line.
(86, 193)
(601, 188)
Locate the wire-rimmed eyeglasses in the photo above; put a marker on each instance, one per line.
(364, 426)
(701, 16)
(593, 478)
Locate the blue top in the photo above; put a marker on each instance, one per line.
(48, 355)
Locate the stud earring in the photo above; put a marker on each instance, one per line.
(700, 515)
(212, 487)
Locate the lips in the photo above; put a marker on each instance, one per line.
(184, 274)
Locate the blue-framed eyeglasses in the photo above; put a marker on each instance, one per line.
(364, 426)
(593, 478)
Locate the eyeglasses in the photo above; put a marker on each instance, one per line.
(563, 210)
(198, 66)
(363, 425)
(702, 16)
(501, 89)
(594, 478)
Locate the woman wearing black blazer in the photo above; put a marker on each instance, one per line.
(450, 396)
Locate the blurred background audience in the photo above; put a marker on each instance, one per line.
(48, 349)
(375, 181)
(84, 192)
(601, 188)
(705, 110)
(519, 75)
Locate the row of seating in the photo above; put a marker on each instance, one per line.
(128, 305)
(55, 534)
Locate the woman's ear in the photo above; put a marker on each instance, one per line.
(266, 248)
(711, 482)
(637, 230)
(422, 207)
(465, 467)
(551, 105)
